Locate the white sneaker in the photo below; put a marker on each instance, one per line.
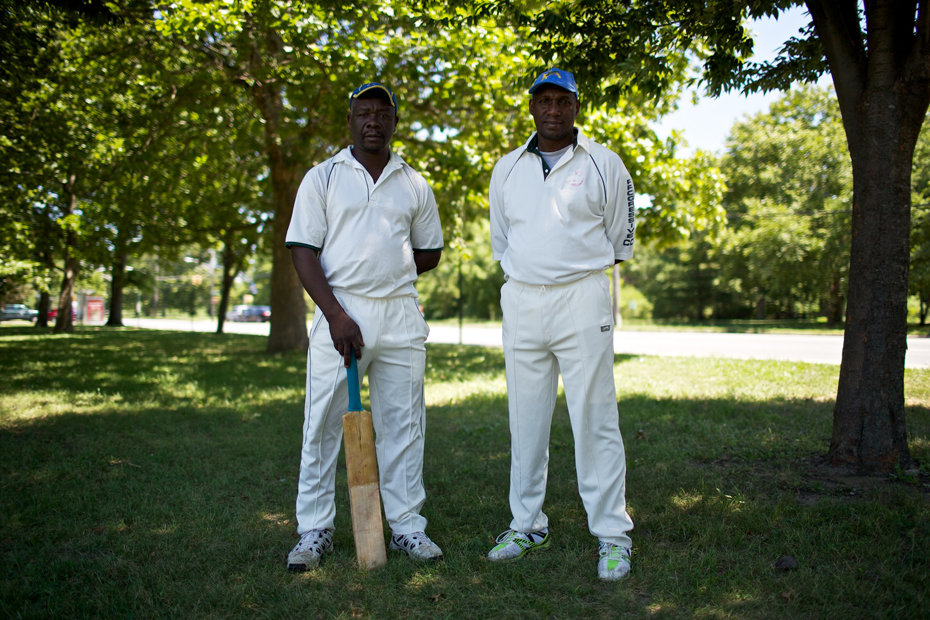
(416, 545)
(307, 553)
(512, 544)
(614, 561)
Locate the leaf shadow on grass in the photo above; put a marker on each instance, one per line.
(173, 494)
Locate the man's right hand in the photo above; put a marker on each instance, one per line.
(347, 336)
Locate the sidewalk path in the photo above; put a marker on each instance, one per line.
(817, 349)
(787, 347)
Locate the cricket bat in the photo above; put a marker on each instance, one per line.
(362, 472)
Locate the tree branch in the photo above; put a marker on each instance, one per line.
(836, 23)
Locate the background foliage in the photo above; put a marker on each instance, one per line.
(136, 134)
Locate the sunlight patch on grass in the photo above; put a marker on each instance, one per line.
(453, 392)
(685, 500)
(744, 380)
(662, 609)
(166, 530)
(422, 579)
(276, 518)
(34, 406)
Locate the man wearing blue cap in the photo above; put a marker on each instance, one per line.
(562, 213)
(364, 226)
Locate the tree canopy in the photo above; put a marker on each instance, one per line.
(184, 115)
(879, 57)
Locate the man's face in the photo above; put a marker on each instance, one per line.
(554, 110)
(372, 122)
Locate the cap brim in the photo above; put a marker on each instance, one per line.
(373, 89)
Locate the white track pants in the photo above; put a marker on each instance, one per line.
(394, 356)
(567, 328)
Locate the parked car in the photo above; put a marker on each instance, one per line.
(249, 314)
(53, 312)
(12, 312)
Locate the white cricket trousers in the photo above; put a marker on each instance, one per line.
(394, 356)
(567, 328)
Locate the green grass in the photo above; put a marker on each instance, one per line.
(153, 474)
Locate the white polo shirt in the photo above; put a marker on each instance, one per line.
(365, 231)
(560, 227)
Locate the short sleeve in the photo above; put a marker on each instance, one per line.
(426, 229)
(308, 220)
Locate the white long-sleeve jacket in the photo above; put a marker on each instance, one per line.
(560, 227)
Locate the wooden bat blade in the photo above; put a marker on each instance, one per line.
(364, 492)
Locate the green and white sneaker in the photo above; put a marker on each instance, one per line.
(614, 562)
(306, 554)
(512, 544)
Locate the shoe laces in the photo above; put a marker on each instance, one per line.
(318, 539)
(613, 552)
(513, 536)
(510, 536)
(412, 540)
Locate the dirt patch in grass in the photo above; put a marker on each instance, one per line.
(820, 480)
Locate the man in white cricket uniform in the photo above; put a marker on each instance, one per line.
(364, 225)
(562, 213)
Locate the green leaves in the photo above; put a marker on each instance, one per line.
(645, 48)
(790, 197)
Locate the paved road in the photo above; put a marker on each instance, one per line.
(788, 347)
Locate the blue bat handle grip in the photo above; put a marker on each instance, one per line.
(355, 396)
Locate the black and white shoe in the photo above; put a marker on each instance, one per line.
(416, 545)
(308, 552)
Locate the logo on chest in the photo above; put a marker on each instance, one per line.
(575, 179)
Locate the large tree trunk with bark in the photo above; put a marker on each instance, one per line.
(288, 309)
(869, 431)
(883, 88)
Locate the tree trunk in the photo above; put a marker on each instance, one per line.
(117, 286)
(883, 89)
(759, 313)
(834, 306)
(869, 431)
(45, 298)
(288, 309)
(228, 276)
(156, 299)
(44, 304)
(232, 264)
(64, 322)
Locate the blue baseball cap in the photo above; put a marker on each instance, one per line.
(556, 77)
(373, 88)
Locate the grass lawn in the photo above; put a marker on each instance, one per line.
(152, 474)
